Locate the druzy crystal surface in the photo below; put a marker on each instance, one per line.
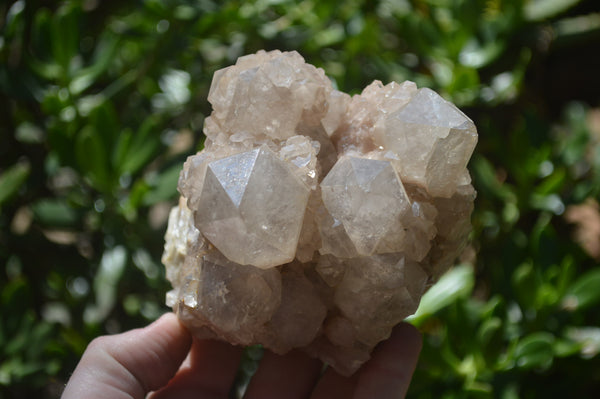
(313, 219)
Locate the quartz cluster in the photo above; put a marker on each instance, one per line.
(313, 219)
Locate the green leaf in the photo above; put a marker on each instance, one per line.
(457, 283)
(552, 183)
(16, 369)
(584, 292)
(567, 347)
(140, 149)
(490, 331)
(485, 175)
(475, 55)
(329, 36)
(105, 120)
(92, 157)
(165, 186)
(586, 339)
(19, 342)
(65, 37)
(12, 180)
(44, 65)
(185, 13)
(41, 38)
(537, 10)
(106, 280)
(135, 198)
(38, 336)
(14, 295)
(104, 54)
(535, 351)
(525, 284)
(567, 28)
(121, 149)
(29, 133)
(54, 213)
(14, 17)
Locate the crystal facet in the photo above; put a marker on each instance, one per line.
(250, 219)
(354, 193)
(313, 219)
(435, 140)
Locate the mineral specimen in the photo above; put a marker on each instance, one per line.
(313, 219)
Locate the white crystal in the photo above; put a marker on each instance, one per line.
(434, 140)
(267, 94)
(251, 219)
(181, 235)
(171, 298)
(313, 219)
(375, 294)
(354, 192)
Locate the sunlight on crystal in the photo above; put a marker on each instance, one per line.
(312, 219)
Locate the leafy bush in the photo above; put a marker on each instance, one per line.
(102, 101)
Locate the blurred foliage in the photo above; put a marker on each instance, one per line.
(100, 103)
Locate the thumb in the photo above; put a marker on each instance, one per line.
(130, 364)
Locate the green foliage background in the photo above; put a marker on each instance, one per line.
(100, 103)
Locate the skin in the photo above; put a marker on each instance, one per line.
(163, 361)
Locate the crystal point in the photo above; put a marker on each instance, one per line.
(434, 138)
(355, 191)
(253, 207)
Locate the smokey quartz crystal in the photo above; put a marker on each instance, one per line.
(313, 219)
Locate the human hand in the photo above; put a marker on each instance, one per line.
(162, 360)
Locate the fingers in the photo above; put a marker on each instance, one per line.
(386, 375)
(292, 375)
(131, 364)
(207, 373)
(335, 386)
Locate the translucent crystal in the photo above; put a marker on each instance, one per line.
(251, 219)
(354, 192)
(377, 292)
(301, 313)
(433, 138)
(313, 219)
(268, 95)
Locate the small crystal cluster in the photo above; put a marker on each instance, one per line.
(313, 219)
